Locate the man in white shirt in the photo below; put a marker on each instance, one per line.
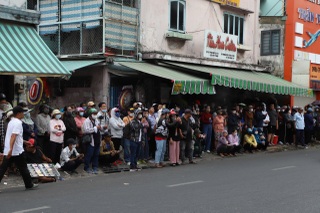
(70, 159)
(299, 122)
(13, 148)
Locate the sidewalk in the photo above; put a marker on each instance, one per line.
(14, 180)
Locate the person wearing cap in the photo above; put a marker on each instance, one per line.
(186, 137)
(13, 149)
(224, 147)
(207, 122)
(309, 125)
(249, 143)
(108, 153)
(126, 135)
(92, 127)
(42, 122)
(116, 126)
(89, 106)
(70, 159)
(57, 129)
(136, 138)
(161, 135)
(103, 117)
(34, 155)
(300, 125)
(174, 136)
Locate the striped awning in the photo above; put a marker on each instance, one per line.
(248, 80)
(182, 83)
(24, 52)
(73, 65)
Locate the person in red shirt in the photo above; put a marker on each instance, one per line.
(206, 120)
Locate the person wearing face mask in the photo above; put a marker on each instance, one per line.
(116, 126)
(136, 138)
(233, 120)
(300, 125)
(126, 135)
(57, 129)
(79, 119)
(70, 123)
(29, 127)
(42, 122)
(70, 159)
(249, 143)
(91, 126)
(103, 117)
(234, 141)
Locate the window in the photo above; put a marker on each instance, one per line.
(177, 15)
(270, 42)
(233, 25)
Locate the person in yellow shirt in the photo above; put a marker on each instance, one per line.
(249, 143)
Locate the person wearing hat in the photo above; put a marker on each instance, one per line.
(249, 143)
(42, 122)
(57, 129)
(300, 125)
(161, 135)
(126, 135)
(186, 137)
(108, 153)
(136, 138)
(13, 149)
(309, 125)
(70, 159)
(90, 105)
(29, 127)
(92, 127)
(116, 126)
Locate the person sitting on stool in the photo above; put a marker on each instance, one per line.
(108, 154)
(70, 159)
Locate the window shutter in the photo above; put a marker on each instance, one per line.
(265, 43)
(275, 47)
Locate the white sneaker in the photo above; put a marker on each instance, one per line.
(208, 151)
(133, 170)
(128, 163)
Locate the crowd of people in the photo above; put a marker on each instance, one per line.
(99, 136)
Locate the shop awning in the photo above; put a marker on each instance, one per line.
(24, 52)
(73, 65)
(182, 83)
(248, 80)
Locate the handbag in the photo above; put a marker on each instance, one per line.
(86, 138)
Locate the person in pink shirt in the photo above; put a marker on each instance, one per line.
(233, 139)
(79, 122)
(219, 124)
(57, 129)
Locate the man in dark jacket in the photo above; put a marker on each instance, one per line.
(136, 138)
(186, 140)
(233, 121)
(309, 125)
(259, 117)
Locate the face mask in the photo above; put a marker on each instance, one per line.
(256, 132)
(131, 114)
(233, 112)
(139, 116)
(104, 110)
(46, 111)
(74, 146)
(117, 114)
(81, 114)
(58, 116)
(94, 117)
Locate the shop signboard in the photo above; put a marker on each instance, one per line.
(235, 3)
(305, 22)
(220, 46)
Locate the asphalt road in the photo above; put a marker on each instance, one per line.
(278, 182)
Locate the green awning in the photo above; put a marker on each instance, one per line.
(182, 83)
(73, 65)
(24, 52)
(248, 80)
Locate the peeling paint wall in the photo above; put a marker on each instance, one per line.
(201, 15)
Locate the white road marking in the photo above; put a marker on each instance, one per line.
(282, 168)
(183, 184)
(34, 209)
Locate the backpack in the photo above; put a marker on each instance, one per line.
(161, 129)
